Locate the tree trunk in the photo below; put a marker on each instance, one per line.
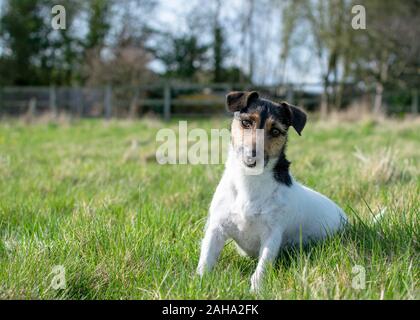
(339, 96)
(379, 90)
(251, 39)
(324, 99)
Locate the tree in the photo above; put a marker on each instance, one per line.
(36, 53)
(220, 50)
(384, 55)
(98, 23)
(329, 22)
(25, 36)
(289, 19)
(124, 63)
(184, 56)
(66, 47)
(388, 50)
(248, 35)
(124, 57)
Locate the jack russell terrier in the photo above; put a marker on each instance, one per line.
(269, 210)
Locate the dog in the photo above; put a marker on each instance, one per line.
(263, 212)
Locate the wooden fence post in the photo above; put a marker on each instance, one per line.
(53, 101)
(80, 101)
(167, 102)
(289, 94)
(32, 107)
(1, 100)
(76, 101)
(134, 104)
(108, 102)
(415, 102)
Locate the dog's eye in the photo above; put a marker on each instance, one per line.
(246, 123)
(275, 132)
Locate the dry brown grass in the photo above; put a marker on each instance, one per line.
(381, 166)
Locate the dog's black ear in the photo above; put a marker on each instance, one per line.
(297, 118)
(238, 100)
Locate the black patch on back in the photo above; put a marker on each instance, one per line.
(281, 169)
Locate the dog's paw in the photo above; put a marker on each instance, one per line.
(200, 270)
(256, 282)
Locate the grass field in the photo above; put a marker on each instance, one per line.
(85, 196)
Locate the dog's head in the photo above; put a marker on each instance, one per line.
(251, 113)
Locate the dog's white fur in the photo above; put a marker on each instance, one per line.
(262, 215)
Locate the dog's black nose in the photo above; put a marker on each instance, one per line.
(251, 158)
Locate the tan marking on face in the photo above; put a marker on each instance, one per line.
(273, 145)
(247, 137)
(237, 132)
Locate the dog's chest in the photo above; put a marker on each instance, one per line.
(252, 208)
(255, 199)
(254, 214)
(250, 220)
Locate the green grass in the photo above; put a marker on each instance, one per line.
(124, 227)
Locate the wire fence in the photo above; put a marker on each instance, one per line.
(179, 99)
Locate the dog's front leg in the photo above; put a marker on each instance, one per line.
(268, 253)
(211, 247)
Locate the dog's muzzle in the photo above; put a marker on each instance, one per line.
(250, 162)
(249, 157)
